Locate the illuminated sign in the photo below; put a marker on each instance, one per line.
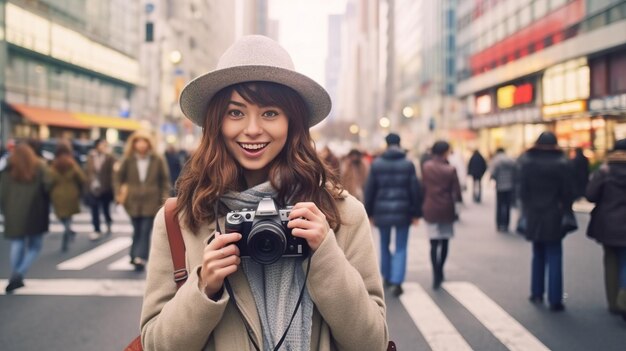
(614, 102)
(483, 104)
(511, 95)
(564, 108)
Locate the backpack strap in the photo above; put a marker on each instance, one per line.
(177, 245)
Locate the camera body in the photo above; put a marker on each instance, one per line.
(265, 235)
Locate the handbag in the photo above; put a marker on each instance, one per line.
(177, 250)
(569, 222)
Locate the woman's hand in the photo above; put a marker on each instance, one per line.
(220, 259)
(309, 223)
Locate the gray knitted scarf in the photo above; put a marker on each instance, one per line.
(275, 287)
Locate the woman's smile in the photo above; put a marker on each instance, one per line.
(253, 149)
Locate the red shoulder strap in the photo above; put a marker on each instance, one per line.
(177, 245)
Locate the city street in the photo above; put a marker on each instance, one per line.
(89, 298)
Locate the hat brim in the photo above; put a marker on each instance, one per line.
(195, 97)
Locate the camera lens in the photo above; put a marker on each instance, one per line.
(266, 242)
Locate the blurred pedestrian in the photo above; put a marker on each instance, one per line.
(174, 165)
(580, 167)
(5, 153)
(503, 171)
(456, 160)
(441, 193)
(331, 160)
(354, 173)
(143, 184)
(99, 190)
(393, 199)
(24, 185)
(546, 195)
(607, 189)
(476, 168)
(68, 180)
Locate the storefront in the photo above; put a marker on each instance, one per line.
(45, 123)
(507, 117)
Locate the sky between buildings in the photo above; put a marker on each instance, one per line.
(304, 31)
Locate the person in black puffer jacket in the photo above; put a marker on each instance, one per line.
(393, 199)
(607, 189)
(546, 195)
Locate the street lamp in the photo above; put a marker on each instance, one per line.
(384, 122)
(175, 57)
(354, 129)
(408, 112)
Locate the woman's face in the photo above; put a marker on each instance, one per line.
(254, 135)
(141, 146)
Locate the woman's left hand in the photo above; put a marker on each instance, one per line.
(309, 223)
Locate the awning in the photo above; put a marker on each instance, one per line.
(108, 121)
(49, 117)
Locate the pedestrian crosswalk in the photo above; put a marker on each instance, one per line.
(440, 333)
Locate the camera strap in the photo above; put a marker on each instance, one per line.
(229, 289)
(295, 311)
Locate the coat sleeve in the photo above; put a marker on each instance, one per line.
(370, 192)
(594, 188)
(174, 319)
(415, 192)
(164, 179)
(345, 285)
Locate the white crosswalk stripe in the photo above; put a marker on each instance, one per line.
(504, 327)
(80, 287)
(440, 333)
(95, 255)
(123, 264)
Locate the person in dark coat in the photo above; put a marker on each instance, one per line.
(100, 187)
(580, 167)
(393, 199)
(175, 165)
(476, 168)
(67, 181)
(607, 189)
(24, 185)
(503, 171)
(441, 191)
(546, 195)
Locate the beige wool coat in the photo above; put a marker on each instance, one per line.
(143, 199)
(344, 284)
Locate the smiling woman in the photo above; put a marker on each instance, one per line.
(256, 148)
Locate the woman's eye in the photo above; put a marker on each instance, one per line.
(270, 114)
(235, 113)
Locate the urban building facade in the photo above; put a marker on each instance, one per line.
(525, 66)
(69, 68)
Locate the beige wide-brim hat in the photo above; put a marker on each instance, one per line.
(253, 58)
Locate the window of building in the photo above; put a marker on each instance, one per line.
(500, 31)
(540, 8)
(524, 16)
(617, 75)
(554, 4)
(599, 86)
(511, 24)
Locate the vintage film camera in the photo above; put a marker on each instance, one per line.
(265, 236)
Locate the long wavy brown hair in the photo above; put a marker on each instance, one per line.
(63, 157)
(23, 163)
(297, 172)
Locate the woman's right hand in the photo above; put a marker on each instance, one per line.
(220, 259)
